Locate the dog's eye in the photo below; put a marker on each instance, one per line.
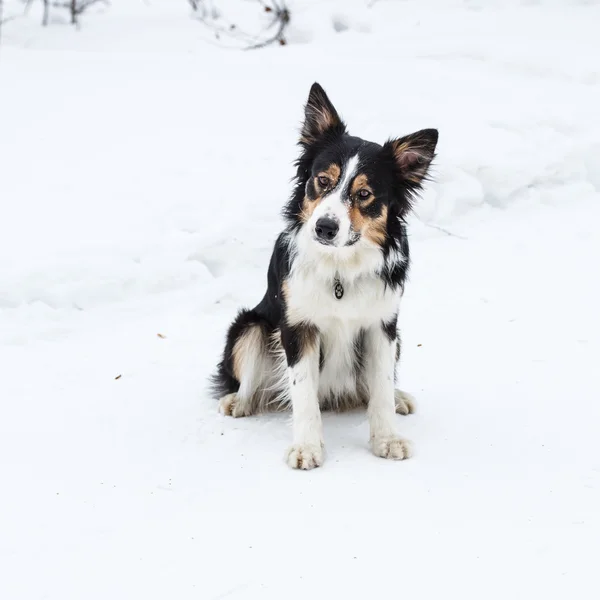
(364, 194)
(323, 181)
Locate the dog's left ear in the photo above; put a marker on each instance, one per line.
(320, 117)
(412, 154)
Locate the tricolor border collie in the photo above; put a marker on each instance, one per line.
(324, 336)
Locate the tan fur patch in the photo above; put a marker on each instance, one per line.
(406, 155)
(400, 149)
(332, 172)
(309, 337)
(308, 207)
(248, 340)
(357, 219)
(361, 182)
(323, 118)
(373, 229)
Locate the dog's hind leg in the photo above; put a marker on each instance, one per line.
(244, 368)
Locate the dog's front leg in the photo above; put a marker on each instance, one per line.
(380, 361)
(301, 344)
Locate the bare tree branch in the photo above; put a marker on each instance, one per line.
(279, 19)
(282, 19)
(74, 7)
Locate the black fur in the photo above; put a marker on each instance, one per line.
(359, 353)
(295, 340)
(389, 328)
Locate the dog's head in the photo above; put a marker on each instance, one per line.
(349, 189)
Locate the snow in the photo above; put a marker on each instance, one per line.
(143, 169)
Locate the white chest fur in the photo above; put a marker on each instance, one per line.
(366, 300)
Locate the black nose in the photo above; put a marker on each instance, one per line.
(326, 229)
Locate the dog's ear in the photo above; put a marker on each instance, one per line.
(320, 117)
(412, 155)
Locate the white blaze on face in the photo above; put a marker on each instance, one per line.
(337, 204)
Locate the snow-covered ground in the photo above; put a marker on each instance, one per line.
(142, 170)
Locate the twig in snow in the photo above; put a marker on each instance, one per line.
(460, 237)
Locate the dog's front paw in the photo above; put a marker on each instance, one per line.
(405, 403)
(391, 447)
(305, 456)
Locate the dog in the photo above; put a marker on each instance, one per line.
(324, 336)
